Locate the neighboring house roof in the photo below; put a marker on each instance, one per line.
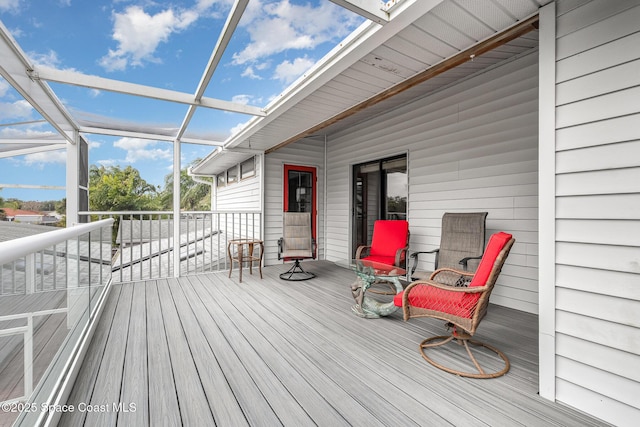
(10, 212)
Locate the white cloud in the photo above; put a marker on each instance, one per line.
(16, 110)
(142, 149)
(275, 27)
(249, 72)
(9, 5)
(4, 87)
(28, 132)
(242, 99)
(108, 162)
(139, 34)
(49, 59)
(44, 157)
(237, 128)
(288, 71)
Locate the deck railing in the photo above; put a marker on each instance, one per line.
(144, 241)
(52, 287)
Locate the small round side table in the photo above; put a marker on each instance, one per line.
(240, 256)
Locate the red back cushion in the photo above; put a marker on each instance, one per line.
(389, 236)
(497, 241)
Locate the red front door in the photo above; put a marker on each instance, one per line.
(300, 191)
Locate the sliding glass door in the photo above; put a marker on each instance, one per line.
(380, 191)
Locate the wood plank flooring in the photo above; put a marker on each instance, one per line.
(206, 350)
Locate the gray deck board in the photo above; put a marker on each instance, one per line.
(163, 406)
(224, 406)
(86, 380)
(135, 365)
(269, 352)
(194, 408)
(109, 379)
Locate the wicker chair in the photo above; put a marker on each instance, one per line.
(297, 243)
(461, 307)
(461, 244)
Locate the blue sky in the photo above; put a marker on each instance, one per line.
(161, 44)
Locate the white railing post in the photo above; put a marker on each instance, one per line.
(28, 357)
(30, 273)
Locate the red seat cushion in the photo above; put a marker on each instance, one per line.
(496, 243)
(389, 260)
(388, 237)
(430, 298)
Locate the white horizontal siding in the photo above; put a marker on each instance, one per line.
(308, 152)
(243, 195)
(471, 147)
(598, 209)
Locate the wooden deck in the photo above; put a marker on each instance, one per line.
(205, 350)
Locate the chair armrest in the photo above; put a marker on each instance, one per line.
(414, 255)
(465, 260)
(360, 250)
(280, 247)
(401, 261)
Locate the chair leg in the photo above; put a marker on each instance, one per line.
(464, 339)
(296, 273)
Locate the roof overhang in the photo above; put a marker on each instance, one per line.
(225, 159)
(425, 46)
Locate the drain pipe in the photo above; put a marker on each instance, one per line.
(199, 179)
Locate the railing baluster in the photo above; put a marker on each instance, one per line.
(119, 232)
(55, 267)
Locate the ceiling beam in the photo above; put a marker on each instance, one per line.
(515, 31)
(94, 82)
(146, 135)
(223, 41)
(15, 68)
(33, 150)
(31, 186)
(370, 9)
(31, 141)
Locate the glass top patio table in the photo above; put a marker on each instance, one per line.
(369, 272)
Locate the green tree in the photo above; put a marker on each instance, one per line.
(193, 195)
(61, 206)
(115, 189)
(12, 203)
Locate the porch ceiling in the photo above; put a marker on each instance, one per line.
(423, 48)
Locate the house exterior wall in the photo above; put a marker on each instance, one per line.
(240, 204)
(309, 152)
(470, 147)
(243, 195)
(597, 279)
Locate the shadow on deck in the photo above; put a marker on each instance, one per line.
(207, 350)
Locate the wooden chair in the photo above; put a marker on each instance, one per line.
(461, 244)
(297, 243)
(461, 307)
